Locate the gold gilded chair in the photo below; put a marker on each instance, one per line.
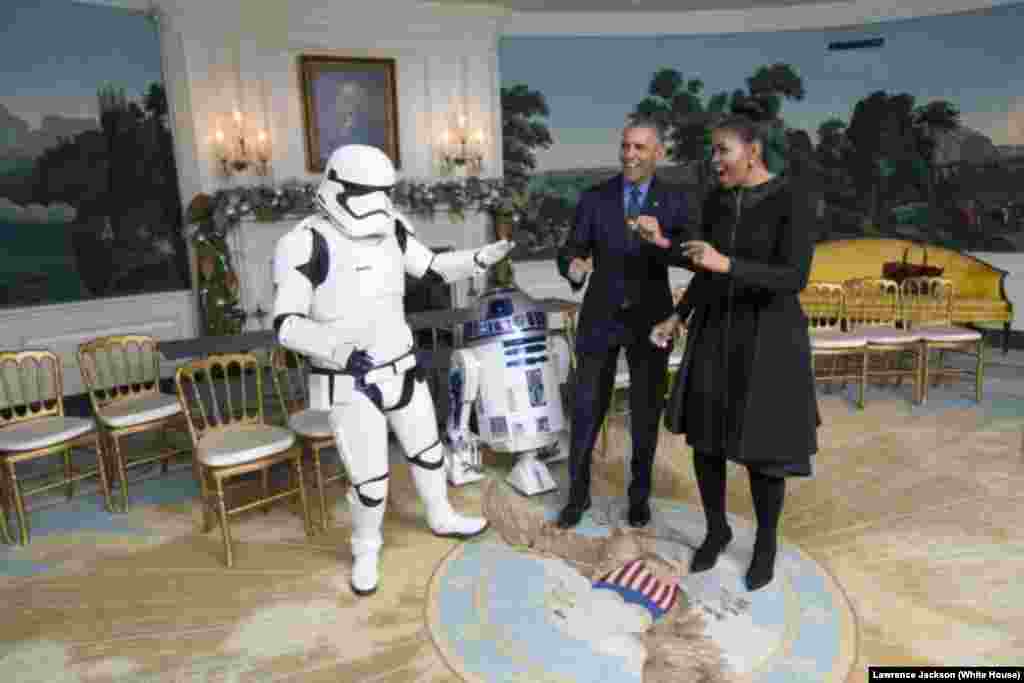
(231, 438)
(824, 305)
(33, 425)
(122, 376)
(928, 309)
(873, 310)
(290, 372)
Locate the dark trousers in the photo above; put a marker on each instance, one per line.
(595, 379)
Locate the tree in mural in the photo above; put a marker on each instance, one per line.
(123, 183)
(682, 107)
(883, 147)
(830, 154)
(929, 121)
(522, 132)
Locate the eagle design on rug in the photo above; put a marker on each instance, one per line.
(615, 592)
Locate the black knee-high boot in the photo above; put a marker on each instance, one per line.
(710, 471)
(768, 493)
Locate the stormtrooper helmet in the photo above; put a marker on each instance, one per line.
(355, 192)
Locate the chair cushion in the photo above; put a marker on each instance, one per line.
(837, 339)
(242, 444)
(311, 423)
(889, 335)
(46, 431)
(136, 411)
(949, 334)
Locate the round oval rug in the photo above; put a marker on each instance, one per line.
(498, 613)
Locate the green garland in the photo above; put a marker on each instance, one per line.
(212, 216)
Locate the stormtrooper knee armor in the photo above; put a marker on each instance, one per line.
(339, 279)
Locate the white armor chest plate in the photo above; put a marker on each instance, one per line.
(361, 296)
(360, 274)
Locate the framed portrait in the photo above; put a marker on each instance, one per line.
(348, 101)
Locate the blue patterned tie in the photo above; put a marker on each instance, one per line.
(633, 205)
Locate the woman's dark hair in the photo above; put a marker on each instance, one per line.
(753, 121)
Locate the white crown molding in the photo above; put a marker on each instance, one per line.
(791, 17)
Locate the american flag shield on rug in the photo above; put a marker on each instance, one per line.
(636, 584)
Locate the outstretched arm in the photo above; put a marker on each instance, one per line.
(451, 266)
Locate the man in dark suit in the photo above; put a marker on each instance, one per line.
(627, 294)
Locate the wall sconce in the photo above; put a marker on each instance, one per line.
(235, 154)
(461, 151)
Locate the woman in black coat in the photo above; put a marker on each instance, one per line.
(745, 390)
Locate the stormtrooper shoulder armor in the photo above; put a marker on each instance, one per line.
(303, 249)
(300, 266)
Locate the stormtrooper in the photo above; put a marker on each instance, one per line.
(339, 279)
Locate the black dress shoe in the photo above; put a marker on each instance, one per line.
(572, 513)
(708, 552)
(639, 514)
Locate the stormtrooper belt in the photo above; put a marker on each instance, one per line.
(379, 373)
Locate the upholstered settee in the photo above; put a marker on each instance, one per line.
(980, 295)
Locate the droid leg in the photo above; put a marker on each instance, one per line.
(361, 434)
(463, 460)
(415, 425)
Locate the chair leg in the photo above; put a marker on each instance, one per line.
(863, 379)
(265, 484)
(206, 496)
(923, 371)
(222, 514)
(3, 505)
(979, 371)
(69, 472)
(297, 461)
(165, 463)
(318, 473)
(19, 503)
(101, 469)
(122, 471)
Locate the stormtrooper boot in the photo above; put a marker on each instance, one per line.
(366, 542)
(432, 487)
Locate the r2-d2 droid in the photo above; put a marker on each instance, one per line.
(510, 370)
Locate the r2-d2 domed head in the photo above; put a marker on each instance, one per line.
(355, 191)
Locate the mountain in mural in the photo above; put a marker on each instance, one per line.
(964, 145)
(19, 141)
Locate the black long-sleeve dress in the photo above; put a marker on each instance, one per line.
(745, 389)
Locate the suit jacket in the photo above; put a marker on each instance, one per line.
(625, 266)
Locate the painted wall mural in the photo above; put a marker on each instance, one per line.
(89, 197)
(911, 129)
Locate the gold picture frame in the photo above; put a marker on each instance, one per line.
(348, 100)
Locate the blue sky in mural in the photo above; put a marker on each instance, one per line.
(55, 55)
(591, 83)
